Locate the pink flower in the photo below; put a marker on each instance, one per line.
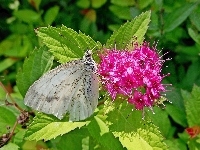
(134, 73)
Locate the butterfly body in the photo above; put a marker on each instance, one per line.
(71, 87)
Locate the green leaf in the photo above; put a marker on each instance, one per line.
(123, 121)
(36, 4)
(176, 17)
(114, 27)
(161, 120)
(51, 14)
(150, 133)
(10, 146)
(175, 144)
(27, 15)
(6, 120)
(2, 92)
(65, 43)
(123, 3)
(32, 145)
(100, 132)
(121, 117)
(191, 76)
(177, 115)
(15, 46)
(39, 62)
(194, 17)
(144, 3)
(193, 50)
(131, 141)
(194, 144)
(46, 127)
(176, 109)
(121, 12)
(21, 29)
(97, 3)
(6, 63)
(19, 137)
(83, 3)
(192, 105)
(126, 33)
(194, 35)
(76, 139)
(144, 138)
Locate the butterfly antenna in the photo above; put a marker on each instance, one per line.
(93, 47)
(115, 46)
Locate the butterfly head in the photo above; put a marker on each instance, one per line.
(88, 60)
(87, 54)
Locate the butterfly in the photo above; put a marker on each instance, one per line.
(69, 88)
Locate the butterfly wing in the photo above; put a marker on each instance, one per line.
(61, 91)
(84, 101)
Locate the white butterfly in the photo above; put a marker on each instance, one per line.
(71, 87)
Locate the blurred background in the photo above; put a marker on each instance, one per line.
(175, 25)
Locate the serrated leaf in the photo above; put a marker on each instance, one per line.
(121, 117)
(192, 105)
(46, 128)
(150, 133)
(131, 141)
(39, 62)
(147, 137)
(123, 37)
(176, 17)
(65, 43)
(125, 121)
(161, 120)
(100, 132)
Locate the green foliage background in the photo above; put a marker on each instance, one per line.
(174, 24)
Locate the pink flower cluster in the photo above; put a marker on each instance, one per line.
(133, 73)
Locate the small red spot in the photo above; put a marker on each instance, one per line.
(85, 11)
(193, 131)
